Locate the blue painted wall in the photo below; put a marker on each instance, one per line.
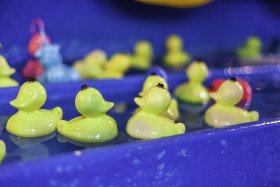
(80, 26)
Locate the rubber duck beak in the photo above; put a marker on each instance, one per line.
(214, 95)
(18, 103)
(9, 72)
(138, 101)
(107, 106)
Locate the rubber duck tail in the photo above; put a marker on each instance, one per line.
(61, 124)
(180, 128)
(254, 115)
(58, 112)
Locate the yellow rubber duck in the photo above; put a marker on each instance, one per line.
(2, 150)
(143, 54)
(91, 67)
(224, 112)
(251, 50)
(172, 112)
(94, 126)
(194, 91)
(175, 56)
(117, 66)
(5, 72)
(30, 121)
(148, 123)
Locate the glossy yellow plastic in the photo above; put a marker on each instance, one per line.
(30, 121)
(148, 123)
(5, 72)
(91, 67)
(223, 112)
(194, 91)
(143, 54)
(175, 56)
(94, 126)
(117, 66)
(2, 150)
(251, 50)
(177, 3)
(152, 81)
(172, 111)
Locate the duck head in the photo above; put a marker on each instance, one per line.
(90, 102)
(96, 57)
(197, 71)
(119, 62)
(143, 48)
(254, 42)
(5, 69)
(174, 42)
(31, 96)
(155, 100)
(229, 93)
(152, 81)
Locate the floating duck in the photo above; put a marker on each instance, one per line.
(94, 126)
(247, 91)
(194, 91)
(175, 56)
(5, 72)
(158, 70)
(172, 112)
(91, 67)
(30, 121)
(224, 112)
(117, 66)
(2, 150)
(251, 50)
(51, 60)
(148, 123)
(143, 54)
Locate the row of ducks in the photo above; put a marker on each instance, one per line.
(155, 117)
(157, 101)
(94, 126)
(96, 66)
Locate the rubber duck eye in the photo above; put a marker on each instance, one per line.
(199, 60)
(31, 79)
(233, 78)
(153, 73)
(160, 85)
(83, 87)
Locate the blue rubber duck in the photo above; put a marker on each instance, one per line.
(157, 70)
(51, 60)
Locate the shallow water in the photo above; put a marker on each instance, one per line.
(23, 149)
